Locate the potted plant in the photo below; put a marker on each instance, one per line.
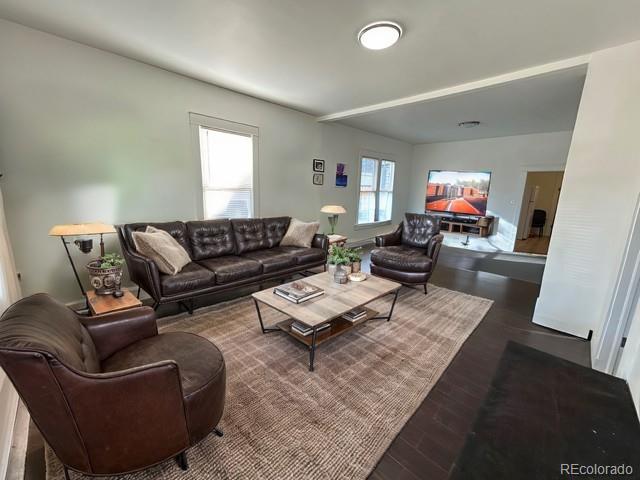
(355, 256)
(105, 274)
(338, 262)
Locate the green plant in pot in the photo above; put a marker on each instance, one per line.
(338, 260)
(105, 274)
(355, 257)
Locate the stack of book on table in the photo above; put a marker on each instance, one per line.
(298, 291)
(355, 314)
(303, 330)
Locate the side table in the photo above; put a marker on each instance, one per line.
(336, 240)
(100, 304)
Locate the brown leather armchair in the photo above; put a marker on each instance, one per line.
(108, 393)
(409, 254)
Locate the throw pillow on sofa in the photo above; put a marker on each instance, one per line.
(300, 234)
(162, 248)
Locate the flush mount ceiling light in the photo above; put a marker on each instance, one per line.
(469, 124)
(379, 35)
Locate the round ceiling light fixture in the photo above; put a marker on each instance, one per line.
(469, 124)
(379, 35)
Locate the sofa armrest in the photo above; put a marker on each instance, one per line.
(433, 249)
(393, 238)
(114, 331)
(139, 411)
(144, 272)
(320, 240)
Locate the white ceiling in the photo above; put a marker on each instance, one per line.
(304, 54)
(545, 103)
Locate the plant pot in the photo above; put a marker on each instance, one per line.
(341, 275)
(105, 281)
(355, 267)
(331, 269)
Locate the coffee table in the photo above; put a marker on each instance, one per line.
(329, 307)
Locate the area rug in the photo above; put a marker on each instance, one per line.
(544, 417)
(283, 422)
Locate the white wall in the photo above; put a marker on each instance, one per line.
(599, 192)
(508, 159)
(88, 135)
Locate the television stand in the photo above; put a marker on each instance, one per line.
(478, 226)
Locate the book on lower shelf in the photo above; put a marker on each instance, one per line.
(355, 314)
(298, 291)
(304, 330)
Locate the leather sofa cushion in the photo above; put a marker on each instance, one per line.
(275, 228)
(417, 229)
(43, 324)
(232, 268)
(210, 238)
(306, 255)
(250, 234)
(191, 277)
(177, 230)
(401, 257)
(273, 259)
(199, 360)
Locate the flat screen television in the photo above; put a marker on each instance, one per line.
(465, 193)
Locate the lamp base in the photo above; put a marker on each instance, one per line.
(333, 221)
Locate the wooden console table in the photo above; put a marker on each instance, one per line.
(480, 228)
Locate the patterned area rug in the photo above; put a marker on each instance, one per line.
(283, 422)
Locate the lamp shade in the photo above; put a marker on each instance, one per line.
(334, 209)
(74, 229)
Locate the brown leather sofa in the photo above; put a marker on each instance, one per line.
(108, 393)
(226, 254)
(410, 253)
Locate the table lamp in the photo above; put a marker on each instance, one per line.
(334, 210)
(83, 244)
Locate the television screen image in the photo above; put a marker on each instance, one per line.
(458, 192)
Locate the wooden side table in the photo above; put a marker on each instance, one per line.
(100, 304)
(336, 240)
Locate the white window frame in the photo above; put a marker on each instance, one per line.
(196, 121)
(379, 157)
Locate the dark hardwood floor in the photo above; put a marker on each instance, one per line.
(429, 443)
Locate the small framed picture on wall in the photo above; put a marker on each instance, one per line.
(318, 165)
(318, 179)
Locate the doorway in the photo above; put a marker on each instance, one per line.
(538, 212)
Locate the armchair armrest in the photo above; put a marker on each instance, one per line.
(433, 249)
(393, 238)
(127, 419)
(320, 240)
(114, 331)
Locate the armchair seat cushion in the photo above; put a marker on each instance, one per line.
(273, 259)
(402, 258)
(191, 277)
(202, 374)
(232, 268)
(306, 255)
(199, 360)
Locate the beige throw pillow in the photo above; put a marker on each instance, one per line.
(162, 248)
(300, 234)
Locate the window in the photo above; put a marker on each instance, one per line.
(227, 156)
(375, 201)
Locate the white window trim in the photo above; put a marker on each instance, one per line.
(196, 121)
(377, 156)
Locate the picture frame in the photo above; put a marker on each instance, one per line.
(341, 177)
(318, 165)
(318, 178)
